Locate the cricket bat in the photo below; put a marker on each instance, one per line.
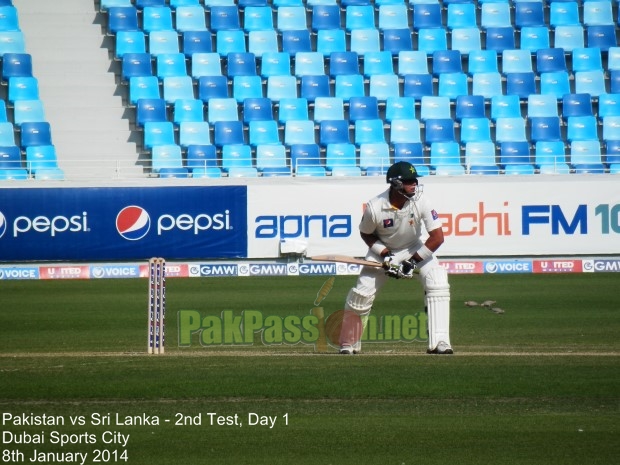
(345, 259)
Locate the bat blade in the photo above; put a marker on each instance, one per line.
(345, 259)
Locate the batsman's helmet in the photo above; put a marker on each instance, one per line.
(401, 171)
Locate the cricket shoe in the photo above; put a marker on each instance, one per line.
(441, 349)
(351, 349)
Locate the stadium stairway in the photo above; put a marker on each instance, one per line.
(78, 89)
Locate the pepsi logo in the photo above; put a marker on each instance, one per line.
(133, 223)
(2, 224)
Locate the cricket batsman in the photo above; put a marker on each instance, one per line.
(392, 226)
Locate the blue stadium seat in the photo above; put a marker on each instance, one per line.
(434, 107)
(222, 109)
(257, 109)
(581, 128)
(236, 156)
(293, 109)
(587, 59)
(201, 156)
(263, 133)
(480, 158)
(28, 110)
(488, 85)
(475, 130)
(612, 159)
(427, 16)
(445, 159)
(590, 82)
(496, 14)
(447, 61)
(529, 14)
(555, 83)
(309, 64)
(296, 41)
(125, 42)
(141, 4)
(258, 18)
(359, 17)
(399, 108)
(3, 114)
(230, 41)
(542, 105)
(363, 108)
(569, 37)
(340, 155)
(510, 130)
(163, 42)
(158, 133)
(482, 61)
(247, 87)
(535, 38)
(104, 5)
(9, 20)
(173, 172)
(414, 154)
(325, 17)
(23, 88)
(16, 65)
(212, 87)
(135, 64)
(614, 82)
(227, 133)
(343, 63)
(271, 160)
(363, 41)
(452, 85)
(597, 13)
(564, 14)
(187, 110)
(613, 59)
(603, 37)
(329, 41)
(299, 132)
(41, 157)
(224, 18)
(394, 16)
(412, 62)
(305, 155)
(383, 86)
(550, 60)
(585, 157)
(194, 133)
(291, 18)
(500, 39)
(609, 105)
(206, 64)
(461, 15)
(7, 134)
(397, 40)
(262, 42)
(328, 108)
(39, 133)
(170, 64)
(466, 40)
(432, 40)
(439, 130)
(275, 64)
(150, 110)
(378, 63)
(349, 85)
(122, 18)
(196, 42)
(611, 128)
(505, 106)
(550, 157)
(418, 86)
(177, 87)
(545, 128)
(241, 64)
(516, 61)
(521, 84)
(374, 155)
(368, 131)
(156, 19)
(469, 106)
(515, 158)
(576, 105)
(334, 132)
(405, 131)
(311, 87)
(10, 157)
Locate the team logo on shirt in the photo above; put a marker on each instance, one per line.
(435, 215)
(388, 223)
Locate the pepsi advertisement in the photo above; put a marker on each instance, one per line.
(123, 223)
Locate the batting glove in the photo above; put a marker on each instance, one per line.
(389, 261)
(406, 269)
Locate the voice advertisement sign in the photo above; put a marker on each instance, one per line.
(123, 223)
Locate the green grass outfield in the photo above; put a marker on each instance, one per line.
(538, 384)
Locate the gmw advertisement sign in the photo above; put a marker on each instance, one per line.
(123, 223)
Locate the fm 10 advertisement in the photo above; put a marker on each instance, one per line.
(123, 223)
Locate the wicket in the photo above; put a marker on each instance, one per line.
(156, 329)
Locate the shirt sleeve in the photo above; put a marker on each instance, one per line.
(368, 223)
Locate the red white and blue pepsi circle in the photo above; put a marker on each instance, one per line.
(2, 224)
(133, 223)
